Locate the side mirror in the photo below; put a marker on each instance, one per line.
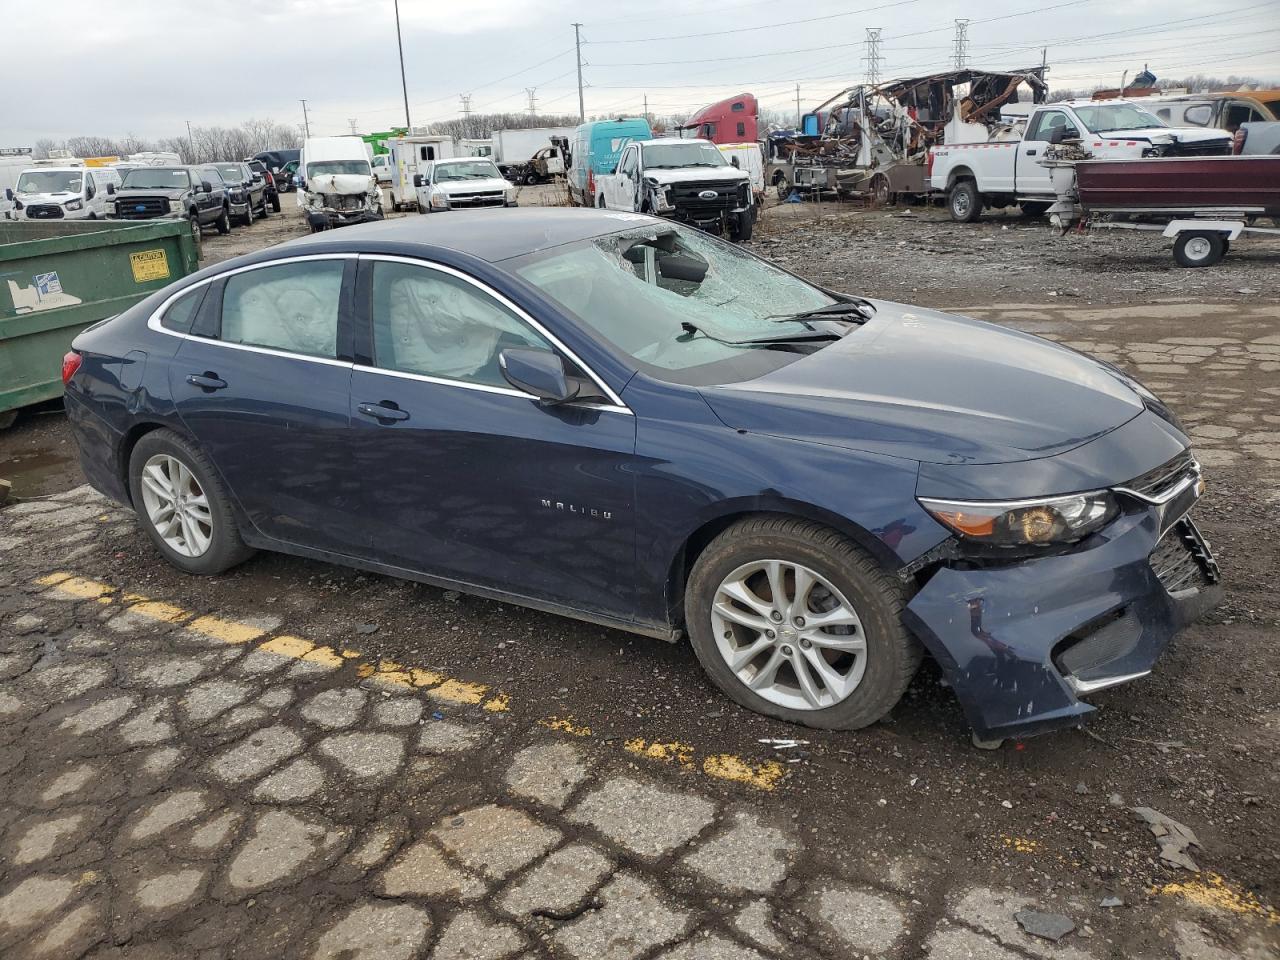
(257, 177)
(206, 186)
(8, 194)
(417, 180)
(539, 372)
(111, 189)
(1070, 133)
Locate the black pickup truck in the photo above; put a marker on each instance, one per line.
(196, 194)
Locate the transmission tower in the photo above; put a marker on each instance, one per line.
(354, 121)
(874, 60)
(962, 44)
(466, 104)
(533, 101)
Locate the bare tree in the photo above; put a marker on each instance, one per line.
(44, 147)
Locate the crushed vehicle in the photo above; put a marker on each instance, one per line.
(195, 194)
(690, 181)
(282, 164)
(814, 488)
(462, 183)
(62, 193)
(514, 151)
(336, 185)
(1226, 110)
(1007, 169)
(247, 190)
(874, 142)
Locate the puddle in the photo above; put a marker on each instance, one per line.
(37, 454)
(37, 474)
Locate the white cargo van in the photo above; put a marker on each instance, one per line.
(336, 185)
(62, 193)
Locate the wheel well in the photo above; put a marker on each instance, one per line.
(778, 177)
(683, 562)
(136, 433)
(958, 174)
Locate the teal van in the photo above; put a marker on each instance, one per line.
(595, 149)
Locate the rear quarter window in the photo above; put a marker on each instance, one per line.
(180, 314)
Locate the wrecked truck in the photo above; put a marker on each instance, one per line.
(874, 141)
(336, 185)
(1005, 171)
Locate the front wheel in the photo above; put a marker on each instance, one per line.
(198, 236)
(246, 218)
(794, 621)
(741, 226)
(1199, 248)
(965, 202)
(224, 220)
(182, 505)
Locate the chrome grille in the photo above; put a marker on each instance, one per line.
(1177, 563)
(1163, 478)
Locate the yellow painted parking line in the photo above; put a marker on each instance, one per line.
(565, 725)
(287, 646)
(81, 588)
(762, 776)
(498, 703)
(155, 609)
(1020, 844)
(1214, 892)
(459, 691)
(671, 752)
(50, 579)
(228, 631)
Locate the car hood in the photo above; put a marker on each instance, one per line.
(450, 187)
(936, 388)
(696, 174)
(347, 184)
(1165, 134)
(61, 196)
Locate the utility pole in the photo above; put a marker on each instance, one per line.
(799, 118)
(352, 121)
(191, 143)
(404, 86)
(533, 101)
(306, 124)
(962, 44)
(577, 46)
(646, 106)
(873, 56)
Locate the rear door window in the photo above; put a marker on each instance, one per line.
(291, 307)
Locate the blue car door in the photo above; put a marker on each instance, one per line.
(471, 480)
(262, 382)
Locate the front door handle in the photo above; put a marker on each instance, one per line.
(385, 411)
(1031, 153)
(207, 381)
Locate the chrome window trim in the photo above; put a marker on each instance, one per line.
(153, 321)
(617, 406)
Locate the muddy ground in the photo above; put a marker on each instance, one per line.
(1049, 817)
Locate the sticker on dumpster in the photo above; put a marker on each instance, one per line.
(46, 284)
(149, 265)
(45, 293)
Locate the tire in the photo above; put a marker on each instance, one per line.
(1199, 248)
(964, 202)
(198, 235)
(275, 202)
(223, 223)
(882, 194)
(741, 226)
(1033, 209)
(247, 219)
(600, 201)
(224, 547)
(890, 654)
(264, 210)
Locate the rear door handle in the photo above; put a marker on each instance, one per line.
(385, 411)
(206, 381)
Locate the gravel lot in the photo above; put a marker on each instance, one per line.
(584, 793)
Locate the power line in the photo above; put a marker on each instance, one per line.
(766, 26)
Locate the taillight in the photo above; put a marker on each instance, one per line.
(70, 364)
(1237, 142)
(928, 163)
(591, 183)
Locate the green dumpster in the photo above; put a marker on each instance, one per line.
(56, 278)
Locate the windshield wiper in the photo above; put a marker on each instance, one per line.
(839, 310)
(804, 336)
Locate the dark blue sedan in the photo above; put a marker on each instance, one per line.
(624, 420)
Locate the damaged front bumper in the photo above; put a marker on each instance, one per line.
(1022, 643)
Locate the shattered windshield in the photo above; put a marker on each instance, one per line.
(1117, 116)
(50, 181)
(669, 156)
(157, 178)
(669, 296)
(324, 167)
(474, 170)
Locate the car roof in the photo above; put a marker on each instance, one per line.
(491, 235)
(660, 141)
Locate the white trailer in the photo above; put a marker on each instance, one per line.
(13, 160)
(515, 148)
(409, 157)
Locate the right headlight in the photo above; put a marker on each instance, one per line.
(1021, 523)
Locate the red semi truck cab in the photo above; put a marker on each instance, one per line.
(727, 121)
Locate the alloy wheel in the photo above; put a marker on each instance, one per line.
(789, 635)
(176, 505)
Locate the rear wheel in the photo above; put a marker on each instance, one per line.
(881, 192)
(183, 506)
(965, 202)
(275, 201)
(600, 201)
(1199, 248)
(224, 220)
(198, 236)
(794, 621)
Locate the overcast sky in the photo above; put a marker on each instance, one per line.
(147, 66)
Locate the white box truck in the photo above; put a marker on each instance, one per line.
(409, 157)
(514, 149)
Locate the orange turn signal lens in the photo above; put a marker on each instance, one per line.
(970, 524)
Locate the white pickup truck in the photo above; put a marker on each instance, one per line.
(1002, 173)
(686, 180)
